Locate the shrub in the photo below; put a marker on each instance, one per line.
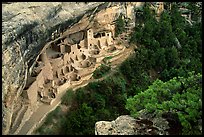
(101, 71)
(68, 97)
(120, 25)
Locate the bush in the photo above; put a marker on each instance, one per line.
(120, 25)
(68, 98)
(80, 122)
(101, 71)
(106, 59)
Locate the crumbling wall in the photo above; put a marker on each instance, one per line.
(32, 93)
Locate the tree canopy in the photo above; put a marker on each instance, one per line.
(180, 95)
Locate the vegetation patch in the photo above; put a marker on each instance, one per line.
(101, 71)
(106, 59)
(119, 25)
(181, 96)
(68, 98)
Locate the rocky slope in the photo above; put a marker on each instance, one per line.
(144, 124)
(127, 125)
(26, 28)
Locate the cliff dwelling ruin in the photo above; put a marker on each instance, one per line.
(61, 64)
(71, 59)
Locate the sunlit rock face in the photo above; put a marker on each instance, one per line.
(127, 125)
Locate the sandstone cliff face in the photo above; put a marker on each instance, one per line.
(26, 28)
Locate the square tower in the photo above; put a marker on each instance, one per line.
(89, 37)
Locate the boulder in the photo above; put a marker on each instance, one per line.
(127, 125)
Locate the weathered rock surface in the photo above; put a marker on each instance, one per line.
(127, 125)
(26, 28)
